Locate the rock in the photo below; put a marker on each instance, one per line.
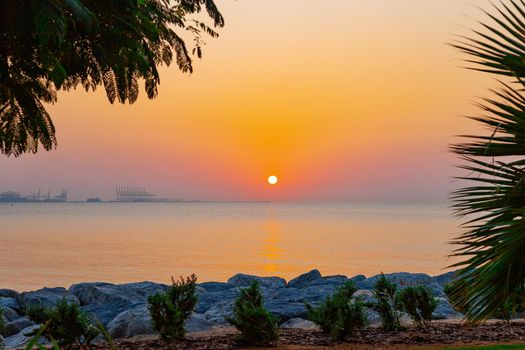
(11, 303)
(444, 310)
(404, 279)
(298, 323)
(334, 281)
(102, 293)
(20, 339)
(107, 300)
(9, 314)
(8, 293)
(1, 342)
(105, 313)
(285, 311)
(241, 280)
(197, 323)
(367, 296)
(445, 278)
(131, 323)
(358, 278)
(214, 287)
(15, 326)
(372, 317)
(311, 295)
(47, 297)
(207, 300)
(217, 314)
(305, 279)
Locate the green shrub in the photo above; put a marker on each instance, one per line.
(340, 315)
(386, 305)
(419, 303)
(170, 310)
(255, 324)
(66, 324)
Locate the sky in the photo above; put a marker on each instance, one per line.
(343, 100)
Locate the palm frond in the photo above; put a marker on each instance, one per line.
(492, 270)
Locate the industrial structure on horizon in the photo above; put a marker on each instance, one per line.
(12, 197)
(134, 194)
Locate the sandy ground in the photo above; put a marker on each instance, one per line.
(440, 335)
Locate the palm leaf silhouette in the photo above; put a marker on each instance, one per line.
(492, 248)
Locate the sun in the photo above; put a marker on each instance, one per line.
(273, 180)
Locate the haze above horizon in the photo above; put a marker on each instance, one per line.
(342, 101)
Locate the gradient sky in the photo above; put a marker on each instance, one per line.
(344, 100)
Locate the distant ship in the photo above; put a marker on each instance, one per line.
(93, 200)
(62, 197)
(15, 197)
(11, 197)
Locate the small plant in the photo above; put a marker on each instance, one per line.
(340, 315)
(419, 303)
(34, 342)
(255, 324)
(66, 324)
(169, 310)
(386, 304)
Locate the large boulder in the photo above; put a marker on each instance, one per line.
(305, 279)
(285, 311)
(20, 339)
(99, 293)
(444, 310)
(445, 278)
(197, 323)
(216, 315)
(46, 297)
(405, 279)
(11, 303)
(298, 323)
(107, 300)
(8, 293)
(15, 326)
(131, 323)
(214, 287)
(206, 300)
(358, 278)
(311, 295)
(9, 314)
(242, 280)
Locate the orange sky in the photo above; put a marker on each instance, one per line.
(342, 99)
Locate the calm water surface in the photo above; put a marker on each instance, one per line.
(65, 243)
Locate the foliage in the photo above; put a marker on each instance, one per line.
(385, 293)
(491, 248)
(66, 323)
(419, 303)
(49, 45)
(170, 310)
(510, 309)
(255, 324)
(34, 342)
(340, 315)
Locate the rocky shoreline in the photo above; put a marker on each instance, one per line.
(122, 308)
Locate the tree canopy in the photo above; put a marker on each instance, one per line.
(50, 45)
(492, 275)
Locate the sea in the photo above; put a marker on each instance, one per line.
(59, 244)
